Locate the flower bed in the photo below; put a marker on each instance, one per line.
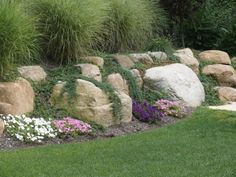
(28, 129)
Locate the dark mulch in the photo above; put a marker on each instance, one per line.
(7, 143)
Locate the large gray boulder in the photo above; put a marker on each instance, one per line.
(178, 81)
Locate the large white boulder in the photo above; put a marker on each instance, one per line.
(178, 81)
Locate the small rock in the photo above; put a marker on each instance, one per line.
(217, 56)
(186, 57)
(94, 60)
(138, 77)
(117, 81)
(178, 81)
(2, 127)
(124, 61)
(158, 55)
(33, 73)
(227, 94)
(233, 59)
(225, 74)
(143, 58)
(90, 71)
(16, 98)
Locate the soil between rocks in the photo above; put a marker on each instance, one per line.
(8, 143)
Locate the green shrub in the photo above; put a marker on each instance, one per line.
(162, 44)
(18, 38)
(178, 11)
(69, 28)
(129, 26)
(213, 26)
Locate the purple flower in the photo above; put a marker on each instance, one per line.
(146, 112)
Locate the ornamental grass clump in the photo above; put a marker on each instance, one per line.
(171, 108)
(130, 25)
(18, 37)
(72, 126)
(28, 129)
(69, 28)
(146, 112)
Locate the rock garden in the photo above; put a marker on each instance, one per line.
(145, 72)
(84, 97)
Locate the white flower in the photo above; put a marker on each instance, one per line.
(28, 129)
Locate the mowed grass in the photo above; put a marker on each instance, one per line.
(203, 145)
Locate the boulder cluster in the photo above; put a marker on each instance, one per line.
(178, 80)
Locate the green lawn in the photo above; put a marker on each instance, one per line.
(201, 146)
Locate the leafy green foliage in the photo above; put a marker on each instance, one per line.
(68, 74)
(213, 26)
(163, 44)
(69, 28)
(152, 96)
(130, 25)
(209, 84)
(134, 90)
(18, 38)
(179, 11)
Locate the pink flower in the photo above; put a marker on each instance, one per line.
(70, 125)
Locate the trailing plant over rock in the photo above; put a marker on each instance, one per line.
(69, 75)
(134, 90)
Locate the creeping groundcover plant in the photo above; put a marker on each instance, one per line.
(28, 129)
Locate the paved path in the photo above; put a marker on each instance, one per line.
(228, 107)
